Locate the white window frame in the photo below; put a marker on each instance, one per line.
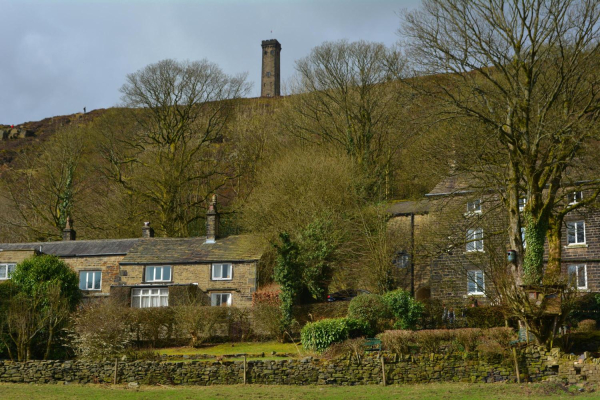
(472, 277)
(572, 229)
(158, 277)
(522, 203)
(87, 280)
(218, 298)
(474, 240)
(523, 230)
(402, 260)
(575, 271)
(149, 297)
(219, 276)
(574, 197)
(474, 207)
(8, 269)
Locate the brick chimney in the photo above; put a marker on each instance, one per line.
(147, 231)
(69, 233)
(212, 221)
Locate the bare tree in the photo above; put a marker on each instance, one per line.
(345, 95)
(44, 187)
(523, 74)
(170, 158)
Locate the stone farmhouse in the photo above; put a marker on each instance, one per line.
(456, 235)
(151, 272)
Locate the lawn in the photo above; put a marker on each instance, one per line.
(236, 348)
(452, 391)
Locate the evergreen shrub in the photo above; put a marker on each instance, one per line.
(370, 308)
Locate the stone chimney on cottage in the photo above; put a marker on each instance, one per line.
(212, 221)
(147, 230)
(69, 233)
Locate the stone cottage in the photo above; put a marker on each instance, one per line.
(456, 235)
(153, 272)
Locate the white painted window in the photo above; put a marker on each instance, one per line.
(90, 280)
(158, 274)
(576, 232)
(578, 275)
(522, 202)
(475, 239)
(523, 238)
(402, 260)
(475, 282)
(221, 272)
(474, 206)
(6, 271)
(149, 297)
(575, 197)
(220, 299)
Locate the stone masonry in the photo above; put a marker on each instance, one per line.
(535, 365)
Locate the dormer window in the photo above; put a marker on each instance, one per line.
(575, 197)
(474, 206)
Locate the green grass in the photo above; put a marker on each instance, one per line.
(235, 348)
(491, 391)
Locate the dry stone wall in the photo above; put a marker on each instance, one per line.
(534, 364)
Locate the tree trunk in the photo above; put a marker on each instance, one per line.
(535, 235)
(553, 268)
(49, 343)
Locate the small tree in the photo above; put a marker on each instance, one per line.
(45, 291)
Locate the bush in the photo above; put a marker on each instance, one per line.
(198, 322)
(100, 330)
(494, 340)
(587, 325)
(484, 317)
(156, 325)
(432, 316)
(431, 340)
(370, 308)
(406, 310)
(397, 341)
(468, 338)
(354, 348)
(318, 336)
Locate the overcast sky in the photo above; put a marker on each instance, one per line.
(58, 56)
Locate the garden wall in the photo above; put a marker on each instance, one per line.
(535, 365)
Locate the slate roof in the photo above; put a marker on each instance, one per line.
(154, 250)
(409, 207)
(452, 184)
(195, 250)
(76, 248)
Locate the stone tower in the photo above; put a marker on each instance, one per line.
(270, 78)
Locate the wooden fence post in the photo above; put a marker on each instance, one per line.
(244, 369)
(116, 370)
(383, 369)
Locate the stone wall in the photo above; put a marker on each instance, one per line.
(535, 365)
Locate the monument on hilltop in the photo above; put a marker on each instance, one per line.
(270, 78)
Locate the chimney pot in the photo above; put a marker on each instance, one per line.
(212, 221)
(69, 233)
(147, 231)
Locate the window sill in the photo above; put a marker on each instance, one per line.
(477, 294)
(156, 282)
(222, 279)
(474, 252)
(577, 246)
